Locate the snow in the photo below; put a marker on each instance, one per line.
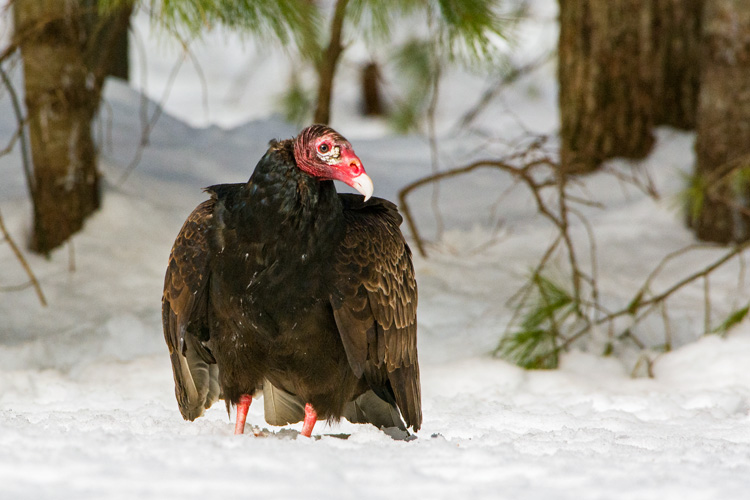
(87, 407)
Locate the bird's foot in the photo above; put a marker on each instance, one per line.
(242, 407)
(310, 418)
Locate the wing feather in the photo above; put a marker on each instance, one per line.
(184, 315)
(281, 407)
(375, 304)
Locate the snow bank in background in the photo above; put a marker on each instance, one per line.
(87, 407)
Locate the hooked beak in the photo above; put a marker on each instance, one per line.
(363, 184)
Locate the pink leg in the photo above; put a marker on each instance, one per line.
(242, 407)
(310, 418)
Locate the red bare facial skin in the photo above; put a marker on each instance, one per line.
(324, 153)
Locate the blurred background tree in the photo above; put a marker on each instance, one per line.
(627, 66)
(718, 201)
(69, 46)
(68, 49)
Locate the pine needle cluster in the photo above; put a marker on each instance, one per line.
(547, 316)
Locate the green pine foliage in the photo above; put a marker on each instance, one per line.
(284, 21)
(740, 181)
(471, 29)
(546, 314)
(693, 196)
(467, 31)
(734, 319)
(416, 70)
(374, 19)
(296, 102)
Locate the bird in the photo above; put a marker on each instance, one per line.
(282, 287)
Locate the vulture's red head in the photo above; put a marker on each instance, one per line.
(324, 153)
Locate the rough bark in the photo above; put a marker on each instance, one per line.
(64, 68)
(606, 81)
(676, 35)
(723, 129)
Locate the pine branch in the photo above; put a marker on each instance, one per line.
(282, 20)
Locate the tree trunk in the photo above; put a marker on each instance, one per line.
(62, 94)
(372, 104)
(327, 65)
(720, 212)
(606, 81)
(107, 47)
(676, 45)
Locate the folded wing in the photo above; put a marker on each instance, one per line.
(375, 304)
(184, 315)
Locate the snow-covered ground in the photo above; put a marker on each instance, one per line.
(87, 408)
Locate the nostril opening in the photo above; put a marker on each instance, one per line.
(356, 167)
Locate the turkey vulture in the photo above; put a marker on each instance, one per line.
(284, 287)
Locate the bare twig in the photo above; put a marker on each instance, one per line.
(434, 151)
(23, 262)
(11, 142)
(20, 131)
(632, 177)
(706, 305)
(520, 172)
(149, 122)
(538, 172)
(657, 299)
(667, 327)
(492, 92)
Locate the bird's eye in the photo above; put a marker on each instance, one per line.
(324, 148)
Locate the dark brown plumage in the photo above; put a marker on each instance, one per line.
(282, 286)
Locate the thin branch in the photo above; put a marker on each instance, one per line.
(657, 299)
(593, 279)
(201, 77)
(631, 177)
(11, 142)
(21, 131)
(528, 167)
(660, 266)
(148, 123)
(434, 151)
(492, 92)
(519, 172)
(23, 262)
(8, 51)
(522, 294)
(706, 306)
(667, 327)
(563, 227)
